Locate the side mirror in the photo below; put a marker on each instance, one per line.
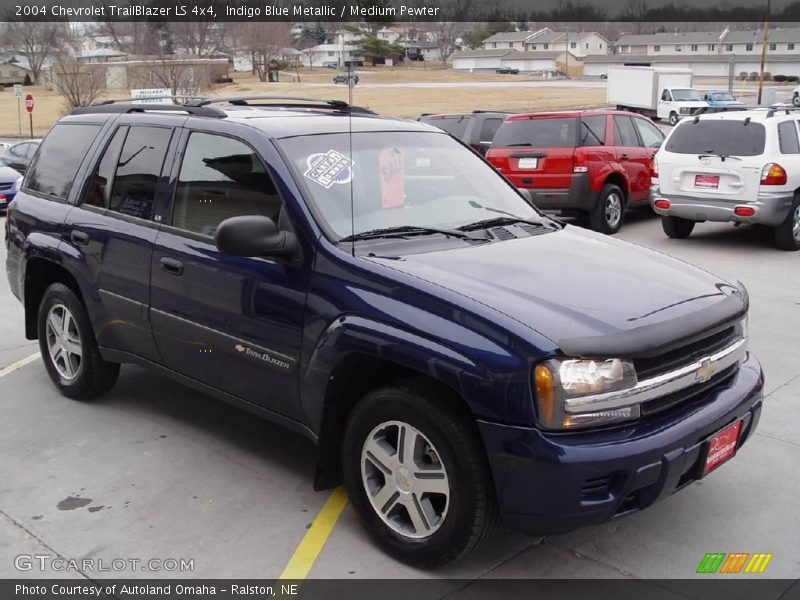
(526, 194)
(254, 235)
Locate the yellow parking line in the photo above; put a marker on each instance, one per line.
(19, 364)
(311, 545)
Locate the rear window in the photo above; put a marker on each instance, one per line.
(558, 132)
(489, 129)
(455, 126)
(731, 138)
(59, 158)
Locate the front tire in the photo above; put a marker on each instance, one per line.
(68, 346)
(607, 217)
(787, 234)
(673, 118)
(677, 228)
(796, 100)
(416, 472)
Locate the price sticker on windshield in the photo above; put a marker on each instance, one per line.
(392, 166)
(328, 168)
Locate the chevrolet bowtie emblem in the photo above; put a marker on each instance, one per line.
(706, 370)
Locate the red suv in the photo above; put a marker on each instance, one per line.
(593, 163)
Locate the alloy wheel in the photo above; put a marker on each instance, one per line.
(64, 342)
(612, 210)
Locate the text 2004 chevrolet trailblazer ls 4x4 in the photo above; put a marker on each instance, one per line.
(456, 355)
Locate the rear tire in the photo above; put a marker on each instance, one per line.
(423, 528)
(673, 118)
(677, 228)
(796, 100)
(68, 346)
(787, 234)
(609, 213)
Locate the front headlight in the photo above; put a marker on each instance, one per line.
(18, 184)
(556, 380)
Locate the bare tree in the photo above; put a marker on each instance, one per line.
(199, 38)
(79, 83)
(36, 41)
(635, 11)
(175, 73)
(264, 41)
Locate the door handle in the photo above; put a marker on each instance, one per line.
(80, 238)
(172, 265)
(624, 156)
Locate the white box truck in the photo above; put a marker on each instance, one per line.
(659, 93)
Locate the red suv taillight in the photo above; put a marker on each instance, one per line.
(579, 164)
(653, 168)
(773, 174)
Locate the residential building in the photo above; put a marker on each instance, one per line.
(339, 54)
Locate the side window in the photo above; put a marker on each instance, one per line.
(666, 96)
(61, 155)
(593, 131)
(650, 135)
(98, 191)
(489, 128)
(221, 177)
(139, 167)
(624, 131)
(787, 138)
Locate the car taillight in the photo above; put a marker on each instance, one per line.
(662, 203)
(773, 174)
(579, 162)
(653, 168)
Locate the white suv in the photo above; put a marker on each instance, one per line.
(741, 167)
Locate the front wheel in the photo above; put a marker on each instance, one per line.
(796, 100)
(417, 474)
(677, 228)
(787, 234)
(608, 215)
(673, 118)
(68, 346)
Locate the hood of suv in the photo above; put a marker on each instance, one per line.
(575, 286)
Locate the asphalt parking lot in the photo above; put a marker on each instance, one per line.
(154, 470)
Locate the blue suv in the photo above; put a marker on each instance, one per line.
(458, 357)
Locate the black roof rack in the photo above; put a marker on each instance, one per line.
(205, 111)
(715, 109)
(776, 108)
(277, 100)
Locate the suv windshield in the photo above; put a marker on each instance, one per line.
(683, 95)
(398, 179)
(726, 137)
(545, 132)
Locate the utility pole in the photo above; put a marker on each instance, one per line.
(763, 53)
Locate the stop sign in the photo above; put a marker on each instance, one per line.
(29, 103)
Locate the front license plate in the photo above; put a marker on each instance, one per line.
(722, 446)
(528, 163)
(706, 181)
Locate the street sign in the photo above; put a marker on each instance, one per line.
(29, 103)
(17, 90)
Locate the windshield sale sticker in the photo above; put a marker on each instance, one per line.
(393, 177)
(329, 168)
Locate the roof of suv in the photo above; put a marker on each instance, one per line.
(760, 115)
(569, 113)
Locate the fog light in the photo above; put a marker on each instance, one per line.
(744, 211)
(661, 203)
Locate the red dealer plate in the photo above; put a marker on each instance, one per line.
(722, 447)
(706, 181)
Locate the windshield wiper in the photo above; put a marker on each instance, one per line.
(509, 220)
(711, 154)
(403, 231)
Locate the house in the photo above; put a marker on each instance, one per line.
(423, 51)
(293, 58)
(388, 34)
(12, 72)
(508, 40)
(338, 54)
(539, 61)
(99, 55)
(704, 65)
(782, 41)
(579, 44)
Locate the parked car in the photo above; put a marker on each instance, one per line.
(592, 163)
(715, 99)
(456, 355)
(9, 184)
(345, 77)
(18, 156)
(736, 167)
(330, 65)
(476, 129)
(507, 71)
(796, 96)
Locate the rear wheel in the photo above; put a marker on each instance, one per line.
(417, 474)
(673, 118)
(677, 228)
(68, 346)
(608, 215)
(796, 100)
(787, 234)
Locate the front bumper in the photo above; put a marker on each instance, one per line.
(771, 208)
(554, 482)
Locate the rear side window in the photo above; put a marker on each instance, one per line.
(787, 138)
(99, 189)
(489, 129)
(455, 126)
(593, 131)
(558, 132)
(59, 159)
(139, 167)
(731, 138)
(624, 132)
(650, 134)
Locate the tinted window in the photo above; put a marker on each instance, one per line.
(99, 189)
(787, 137)
(139, 167)
(489, 129)
(455, 126)
(650, 134)
(624, 132)
(732, 138)
(538, 133)
(61, 155)
(221, 177)
(593, 131)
